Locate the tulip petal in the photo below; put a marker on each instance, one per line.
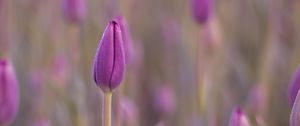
(294, 86)
(9, 93)
(295, 115)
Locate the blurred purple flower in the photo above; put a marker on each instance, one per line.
(164, 100)
(257, 99)
(295, 115)
(9, 93)
(127, 39)
(109, 62)
(161, 123)
(41, 122)
(129, 111)
(74, 10)
(294, 86)
(201, 10)
(238, 118)
(59, 69)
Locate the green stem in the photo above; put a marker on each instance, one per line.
(106, 109)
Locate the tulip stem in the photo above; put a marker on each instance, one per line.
(106, 109)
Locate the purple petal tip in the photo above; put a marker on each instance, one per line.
(238, 118)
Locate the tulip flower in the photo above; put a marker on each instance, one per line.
(295, 115)
(74, 10)
(109, 63)
(294, 86)
(201, 10)
(238, 118)
(109, 66)
(9, 93)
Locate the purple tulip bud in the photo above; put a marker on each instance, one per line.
(238, 118)
(201, 10)
(295, 115)
(109, 62)
(164, 100)
(9, 93)
(128, 45)
(74, 10)
(294, 86)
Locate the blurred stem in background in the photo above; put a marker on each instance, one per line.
(201, 11)
(212, 40)
(200, 74)
(279, 12)
(75, 15)
(3, 28)
(73, 41)
(76, 77)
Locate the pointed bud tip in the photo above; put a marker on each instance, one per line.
(238, 118)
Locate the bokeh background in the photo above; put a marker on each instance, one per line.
(181, 73)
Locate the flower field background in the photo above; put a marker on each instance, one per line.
(179, 71)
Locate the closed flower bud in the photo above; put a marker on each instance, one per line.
(238, 118)
(9, 93)
(294, 86)
(109, 62)
(201, 10)
(295, 115)
(74, 10)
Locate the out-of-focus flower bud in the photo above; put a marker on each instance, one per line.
(129, 111)
(257, 99)
(74, 10)
(9, 93)
(201, 10)
(238, 118)
(164, 100)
